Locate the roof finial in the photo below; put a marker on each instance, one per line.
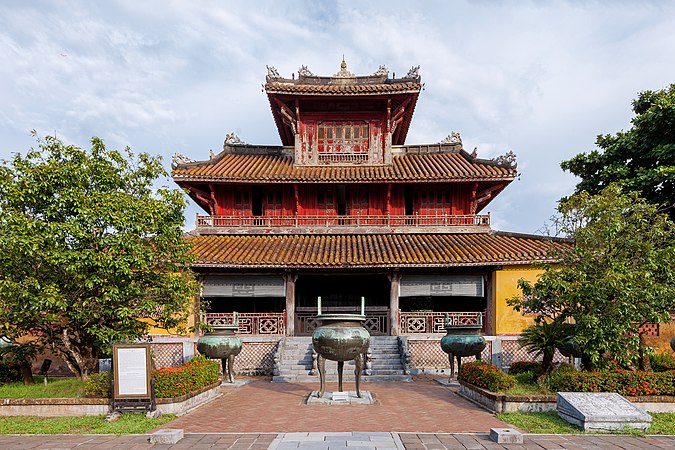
(343, 65)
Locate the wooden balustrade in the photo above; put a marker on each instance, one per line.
(467, 220)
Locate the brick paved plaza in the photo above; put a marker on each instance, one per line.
(260, 415)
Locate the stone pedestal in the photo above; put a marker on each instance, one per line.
(601, 411)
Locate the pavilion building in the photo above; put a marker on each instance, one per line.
(345, 209)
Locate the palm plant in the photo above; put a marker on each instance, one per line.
(543, 338)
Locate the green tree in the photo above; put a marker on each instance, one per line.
(642, 159)
(617, 274)
(87, 247)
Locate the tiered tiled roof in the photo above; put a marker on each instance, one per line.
(423, 167)
(370, 250)
(342, 89)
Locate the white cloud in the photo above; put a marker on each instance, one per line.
(541, 79)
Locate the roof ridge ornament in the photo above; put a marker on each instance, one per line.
(179, 159)
(508, 159)
(303, 71)
(233, 139)
(452, 138)
(344, 73)
(413, 73)
(272, 73)
(382, 71)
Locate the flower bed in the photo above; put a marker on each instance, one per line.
(629, 383)
(486, 375)
(191, 376)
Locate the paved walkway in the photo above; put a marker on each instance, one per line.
(264, 407)
(414, 416)
(346, 441)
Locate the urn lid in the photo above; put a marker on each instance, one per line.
(342, 317)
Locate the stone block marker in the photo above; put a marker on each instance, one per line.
(166, 436)
(601, 411)
(506, 436)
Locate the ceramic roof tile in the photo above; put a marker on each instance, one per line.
(370, 250)
(233, 167)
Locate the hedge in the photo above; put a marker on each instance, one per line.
(524, 366)
(486, 376)
(625, 382)
(195, 374)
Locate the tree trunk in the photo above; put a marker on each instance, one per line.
(80, 355)
(643, 356)
(547, 363)
(26, 372)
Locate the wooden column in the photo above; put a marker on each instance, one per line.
(394, 325)
(290, 278)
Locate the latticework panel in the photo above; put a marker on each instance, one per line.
(428, 354)
(512, 352)
(167, 354)
(256, 358)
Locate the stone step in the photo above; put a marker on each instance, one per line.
(365, 378)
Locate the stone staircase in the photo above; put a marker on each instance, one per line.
(294, 361)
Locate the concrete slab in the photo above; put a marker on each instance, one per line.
(235, 384)
(166, 436)
(506, 436)
(601, 411)
(447, 382)
(351, 399)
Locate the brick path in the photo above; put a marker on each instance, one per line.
(264, 407)
(346, 441)
(414, 416)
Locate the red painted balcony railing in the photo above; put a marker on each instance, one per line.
(480, 220)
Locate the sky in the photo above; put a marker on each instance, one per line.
(540, 78)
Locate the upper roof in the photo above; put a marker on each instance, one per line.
(371, 250)
(342, 83)
(398, 95)
(443, 162)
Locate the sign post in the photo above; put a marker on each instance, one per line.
(133, 388)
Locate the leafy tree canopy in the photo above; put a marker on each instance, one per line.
(87, 246)
(642, 159)
(617, 275)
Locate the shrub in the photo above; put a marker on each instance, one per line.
(9, 372)
(526, 377)
(191, 376)
(524, 366)
(486, 376)
(662, 362)
(98, 385)
(625, 382)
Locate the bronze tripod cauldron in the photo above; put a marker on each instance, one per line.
(222, 344)
(340, 338)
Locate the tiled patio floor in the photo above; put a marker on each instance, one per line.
(264, 407)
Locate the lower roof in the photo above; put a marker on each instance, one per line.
(370, 250)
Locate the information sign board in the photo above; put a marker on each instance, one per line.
(131, 364)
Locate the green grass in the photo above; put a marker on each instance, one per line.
(527, 389)
(128, 424)
(539, 422)
(61, 388)
(550, 423)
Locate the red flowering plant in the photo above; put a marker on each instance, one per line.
(195, 374)
(486, 376)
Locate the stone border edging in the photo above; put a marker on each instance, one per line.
(498, 403)
(60, 407)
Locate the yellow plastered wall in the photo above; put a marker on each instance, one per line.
(505, 286)
(661, 343)
(162, 331)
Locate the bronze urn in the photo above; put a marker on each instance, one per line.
(221, 343)
(462, 339)
(340, 338)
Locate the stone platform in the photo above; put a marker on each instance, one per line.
(349, 399)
